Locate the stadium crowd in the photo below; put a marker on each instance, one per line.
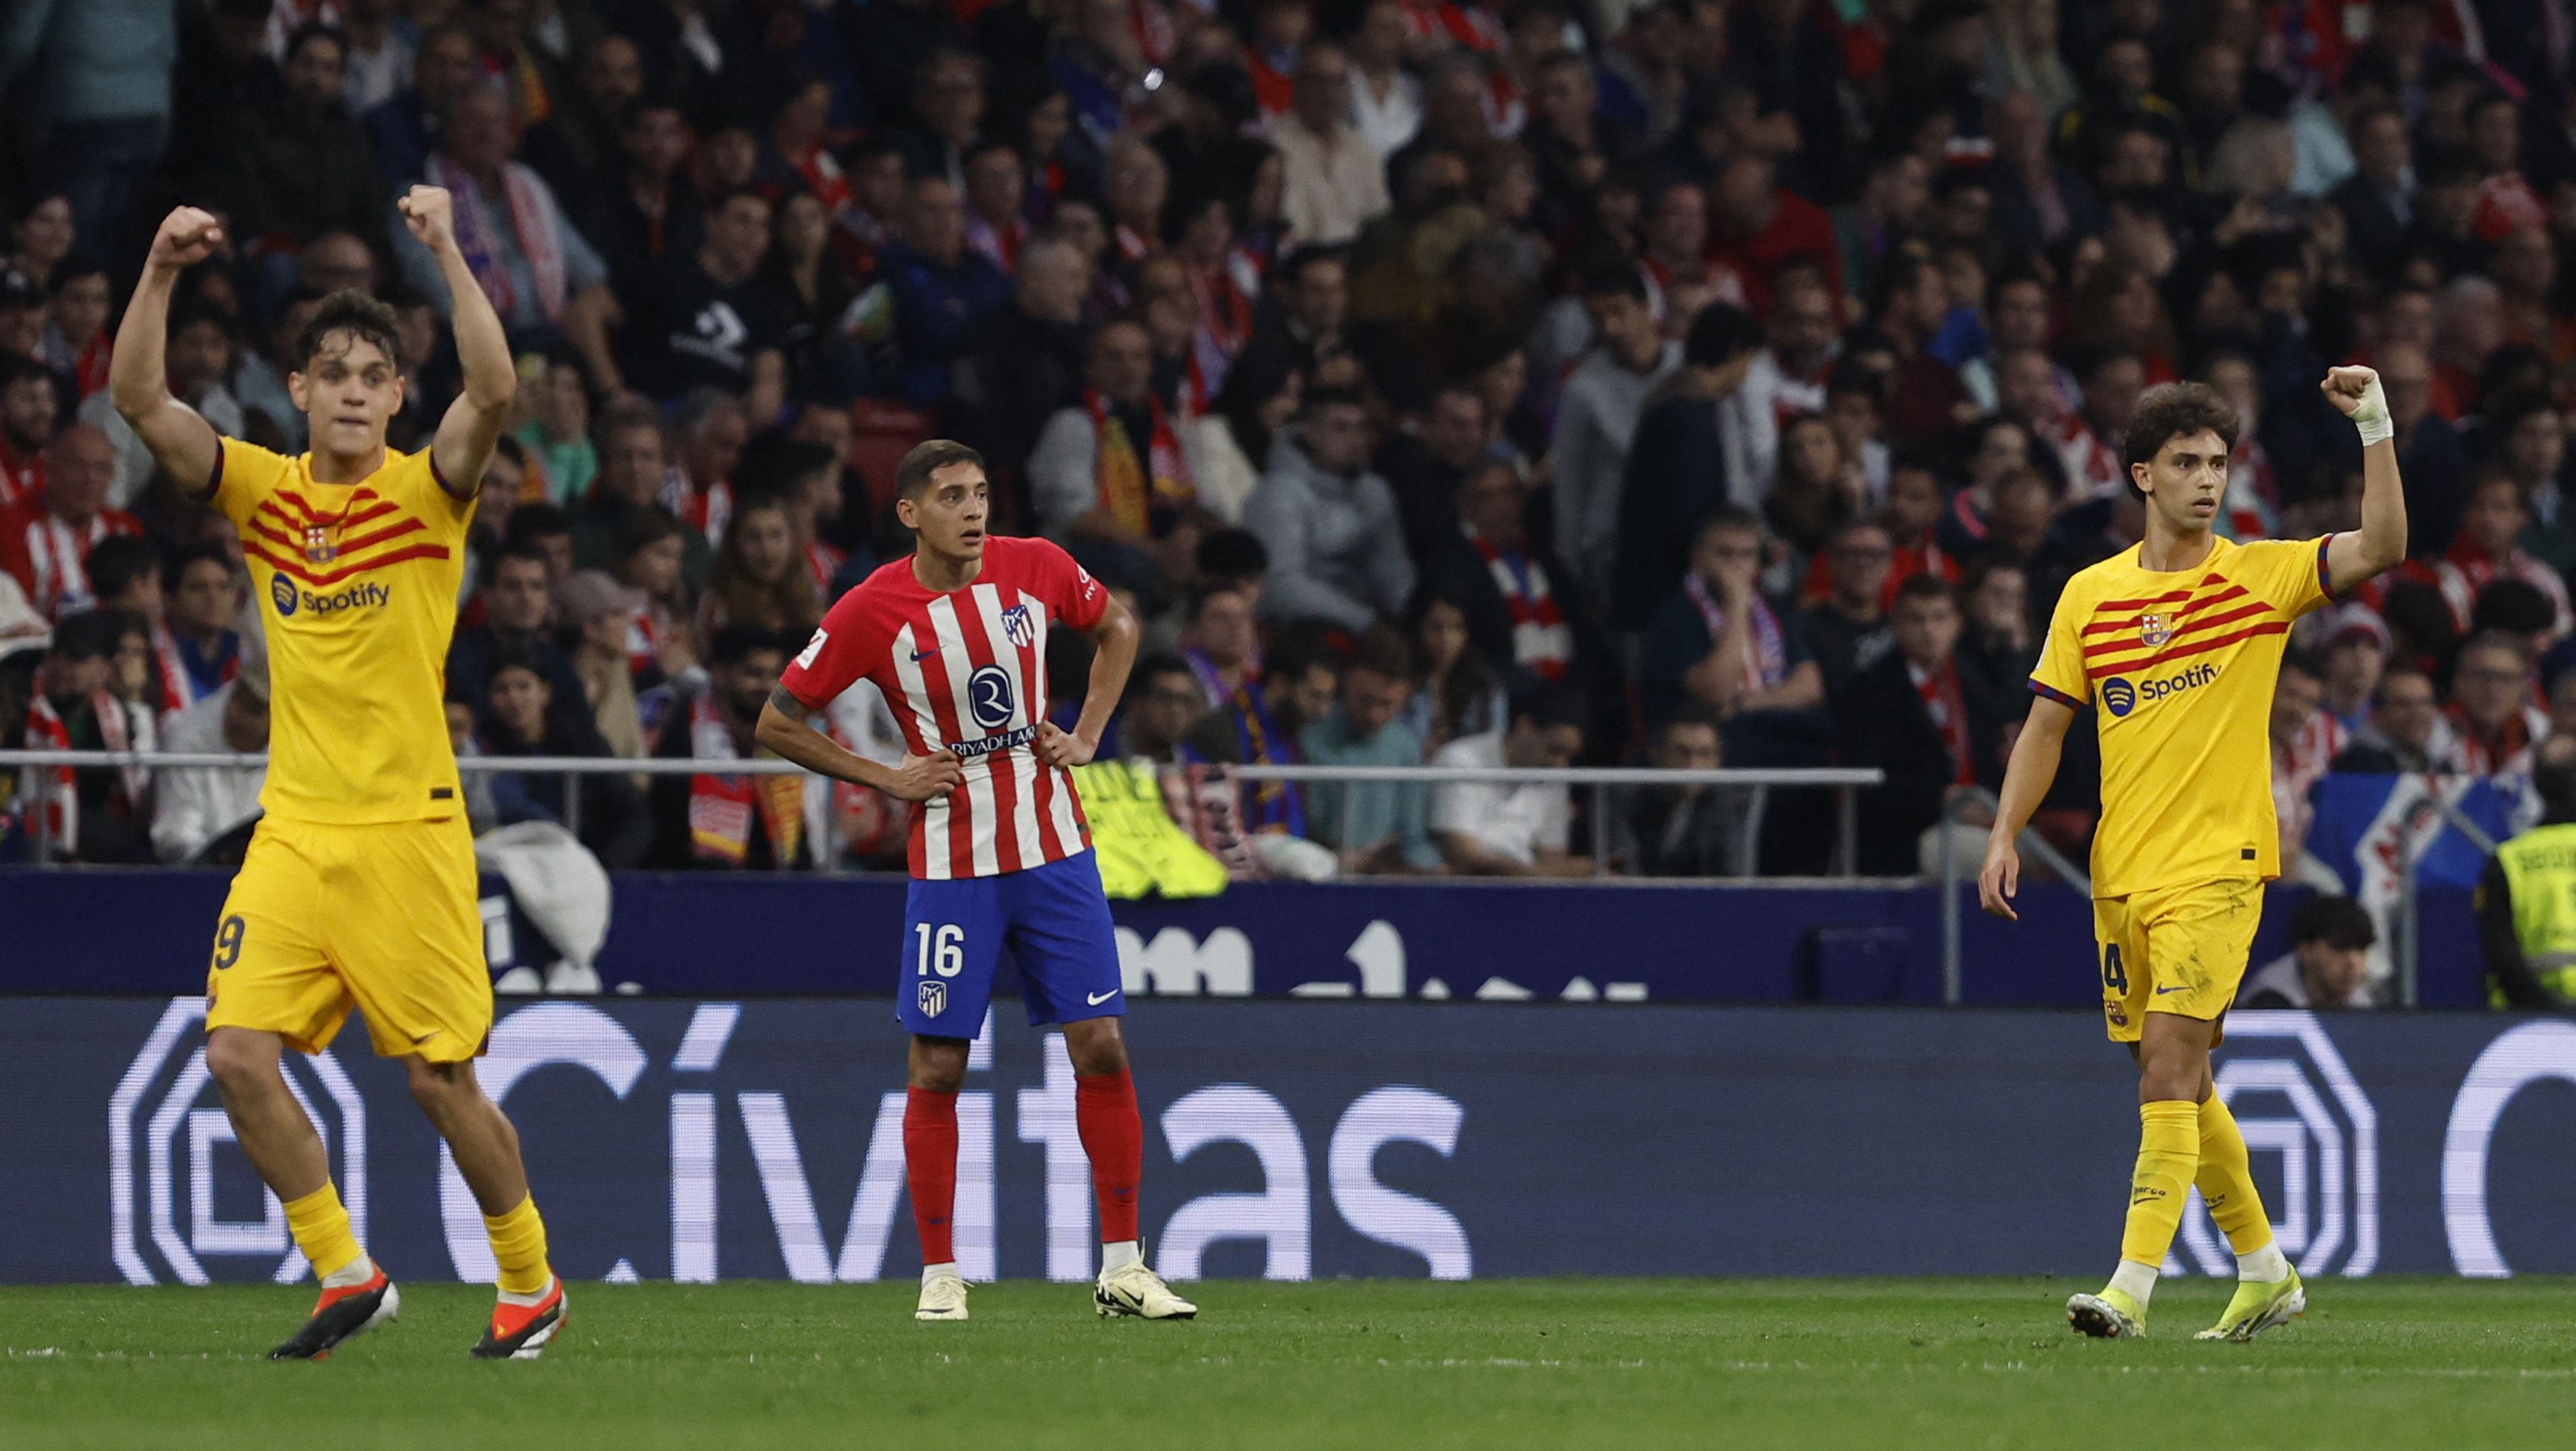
(1684, 382)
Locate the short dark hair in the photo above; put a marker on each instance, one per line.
(2513, 606)
(2302, 662)
(2338, 922)
(733, 644)
(2175, 410)
(1201, 596)
(117, 561)
(89, 635)
(912, 476)
(1232, 554)
(1319, 399)
(1729, 516)
(1927, 586)
(524, 551)
(1154, 667)
(1720, 334)
(361, 317)
(532, 522)
(16, 368)
(516, 657)
(643, 528)
(311, 31)
(1611, 276)
(175, 567)
(1382, 651)
(1549, 705)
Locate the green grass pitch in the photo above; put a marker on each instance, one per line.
(1386, 1366)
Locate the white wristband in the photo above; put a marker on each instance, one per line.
(2371, 418)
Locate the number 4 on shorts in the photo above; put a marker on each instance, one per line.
(2114, 976)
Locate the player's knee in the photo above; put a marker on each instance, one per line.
(240, 1062)
(938, 1065)
(439, 1087)
(1095, 1046)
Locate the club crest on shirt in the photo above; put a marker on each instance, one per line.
(319, 547)
(1017, 625)
(2154, 630)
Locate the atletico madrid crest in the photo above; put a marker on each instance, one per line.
(1017, 625)
(2154, 630)
(318, 545)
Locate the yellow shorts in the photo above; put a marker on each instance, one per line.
(2178, 950)
(381, 917)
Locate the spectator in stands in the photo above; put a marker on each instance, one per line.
(199, 360)
(1220, 644)
(76, 344)
(2484, 551)
(520, 718)
(1163, 698)
(28, 407)
(2355, 645)
(518, 611)
(1456, 695)
(634, 462)
(941, 289)
(541, 274)
(1596, 418)
(1848, 628)
(1717, 641)
(302, 166)
(1427, 466)
(1334, 179)
(948, 99)
(1259, 726)
(1109, 472)
(709, 320)
(761, 577)
(1678, 473)
(2407, 730)
(648, 558)
(1025, 361)
(1914, 715)
(1688, 830)
(92, 814)
(1518, 830)
(712, 427)
(2524, 932)
(202, 817)
(557, 431)
(1336, 545)
(2305, 741)
(600, 617)
(1377, 827)
(642, 213)
(2491, 707)
(45, 542)
(721, 818)
(1522, 617)
(2329, 957)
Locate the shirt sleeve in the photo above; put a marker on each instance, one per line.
(2290, 574)
(1067, 587)
(245, 473)
(841, 652)
(2059, 676)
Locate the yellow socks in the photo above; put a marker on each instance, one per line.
(2168, 1154)
(2226, 1184)
(321, 1229)
(519, 1248)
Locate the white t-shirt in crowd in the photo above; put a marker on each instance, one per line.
(1509, 821)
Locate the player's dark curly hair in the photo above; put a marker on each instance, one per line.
(2175, 410)
(356, 316)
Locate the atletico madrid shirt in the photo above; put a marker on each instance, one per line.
(965, 670)
(2182, 665)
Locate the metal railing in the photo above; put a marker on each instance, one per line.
(1953, 973)
(1601, 781)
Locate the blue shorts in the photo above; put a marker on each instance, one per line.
(1055, 920)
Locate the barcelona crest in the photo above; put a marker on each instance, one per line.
(2154, 630)
(318, 545)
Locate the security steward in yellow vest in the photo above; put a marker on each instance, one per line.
(2526, 902)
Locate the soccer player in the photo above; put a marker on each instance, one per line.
(359, 886)
(2178, 642)
(956, 637)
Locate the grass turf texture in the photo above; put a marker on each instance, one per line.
(1380, 1365)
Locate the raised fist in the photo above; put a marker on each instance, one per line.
(187, 237)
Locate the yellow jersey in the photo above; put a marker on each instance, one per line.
(2182, 665)
(356, 587)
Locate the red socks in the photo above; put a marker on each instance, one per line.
(1113, 1135)
(930, 1169)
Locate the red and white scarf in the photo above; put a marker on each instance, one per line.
(644, 641)
(706, 510)
(1766, 646)
(178, 684)
(60, 796)
(1541, 639)
(998, 245)
(1131, 487)
(2509, 752)
(722, 808)
(823, 561)
(531, 219)
(2462, 573)
(57, 556)
(1949, 711)
(21, 477)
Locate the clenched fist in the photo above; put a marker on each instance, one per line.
(187, 237)
(431, 214)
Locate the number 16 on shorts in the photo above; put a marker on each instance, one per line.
(940, 955)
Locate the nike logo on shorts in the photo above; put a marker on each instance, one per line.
(1096, 999)
(2160, 992)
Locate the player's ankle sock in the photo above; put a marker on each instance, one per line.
(2226, 1183)
(1118, 1254)
(930, 1170)
(518, 1238)
(321, 1230)
(931, 1272)
(2267, 1266)
(1113, 1134)
(2135, 1280)
(2168, 1155)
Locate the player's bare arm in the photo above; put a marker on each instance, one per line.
(473, 423)
(1117, 636)
(783, 729)
(2026, 780)
(138, 379)
(2357, 554)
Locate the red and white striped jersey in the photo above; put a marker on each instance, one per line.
(965, 671)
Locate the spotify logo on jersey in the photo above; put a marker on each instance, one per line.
(2119, 696)
(281, 593)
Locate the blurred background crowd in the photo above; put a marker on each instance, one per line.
(1687, 383)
